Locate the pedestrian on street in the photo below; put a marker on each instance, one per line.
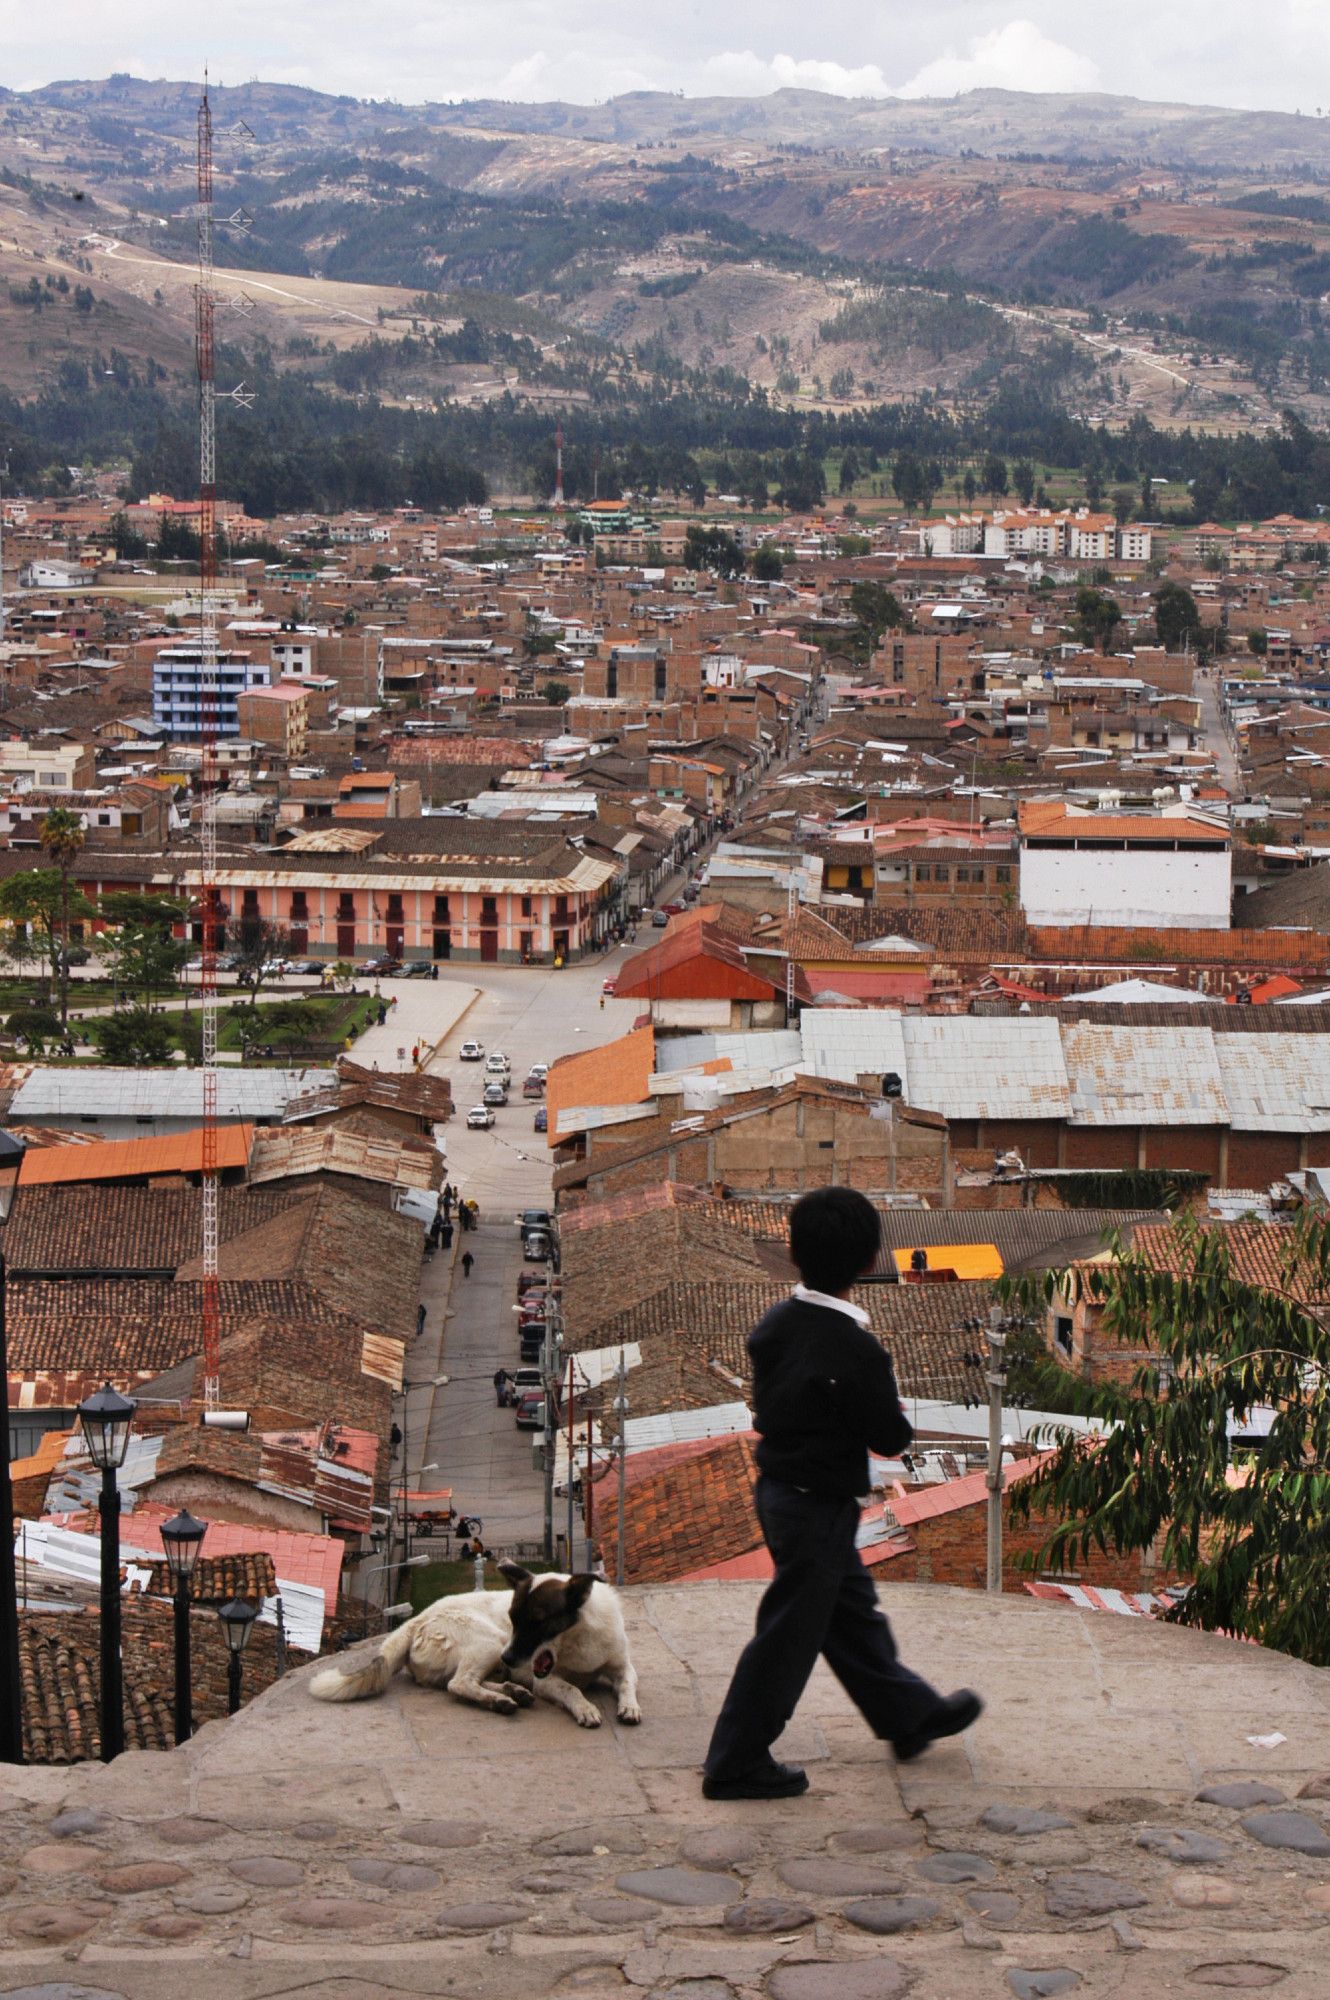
(501, 1387)
(446, 1236)
(467, 1261)
(824, 1396)
(446, 1203)
(420, 1318)
(383, 1013)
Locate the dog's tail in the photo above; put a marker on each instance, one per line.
(335, 1684)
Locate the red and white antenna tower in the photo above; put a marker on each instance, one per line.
(558, 468)
(204, 308)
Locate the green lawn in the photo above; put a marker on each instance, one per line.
(454, 1578)
(295, 1020)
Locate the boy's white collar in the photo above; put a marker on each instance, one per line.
(808, 1297)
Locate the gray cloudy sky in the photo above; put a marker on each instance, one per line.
(1275, 54)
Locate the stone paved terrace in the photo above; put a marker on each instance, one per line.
(1107, 1829)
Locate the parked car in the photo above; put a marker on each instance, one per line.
(541, 1070)
(659, 919)
(532, 1087)
(420, 968)
(541, 1121)
(308, 968)
(527, 1378)
(75, 954)
(497, 1064)
(480, 1116)
(536, 1246)
(496, 1093)
(531, 1410)
(672, 909)
(384, 966)
(533, 1218)
(472, 1052)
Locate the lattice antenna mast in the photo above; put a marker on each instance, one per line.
(791, 925)
(204, 311)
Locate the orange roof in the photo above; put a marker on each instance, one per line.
(618, 1073)
(1049, 819)
(50, 1450)
(968, 1260)
(125, 1159)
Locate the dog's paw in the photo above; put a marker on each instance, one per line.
(587, 1717)
(519, 1694)
(629, 1712)
(503, 1704)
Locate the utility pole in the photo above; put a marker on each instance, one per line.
(621, 1411)
(11, 1687)
(996, 1377)
(550, 1370)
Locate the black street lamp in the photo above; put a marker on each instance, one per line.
(11, 1707)
(182, 1537)
(106, 1418)
(237, 1619)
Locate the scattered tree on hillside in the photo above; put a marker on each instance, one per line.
(61, 834)
(1097, 617)
(1177, 618)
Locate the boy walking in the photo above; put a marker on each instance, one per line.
(824, 1396)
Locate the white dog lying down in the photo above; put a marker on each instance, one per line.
(560, 1634)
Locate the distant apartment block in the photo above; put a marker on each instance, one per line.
(177, 690)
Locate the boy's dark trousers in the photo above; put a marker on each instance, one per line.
(819, 1601)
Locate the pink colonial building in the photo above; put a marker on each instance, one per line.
(498, 892)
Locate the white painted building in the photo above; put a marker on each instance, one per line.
(1171, 870)
(177, 689)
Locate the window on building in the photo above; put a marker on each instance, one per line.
(942, 874)
(526, 906)
(1003, 872)
(923, 873)
(1062, 1332)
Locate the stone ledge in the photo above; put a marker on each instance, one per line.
(414, 1846)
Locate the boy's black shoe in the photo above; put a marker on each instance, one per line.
(953, 1714)
(768, 1781)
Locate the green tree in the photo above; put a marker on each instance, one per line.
(555, 693)
(134, 1035)
(1097, 617)
(1124, 504)
(1024, 479)
(256, 943)
(911, 482)
(713, 549)
(993, 478)
(34, 1027)
(61, 834)
(1177, 618)
(44, 899)
(876, 610)
(1223, 1343)
(1258, 641)
(767, 563)
(143, 955)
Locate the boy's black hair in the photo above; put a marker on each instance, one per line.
(835, 1236)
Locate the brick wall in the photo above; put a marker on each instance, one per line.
(953, 1548)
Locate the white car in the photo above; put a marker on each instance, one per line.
(472, 1052)
(540, 1071)
(480, 1116)
(497, 1064)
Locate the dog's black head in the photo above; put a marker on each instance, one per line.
(542, 1609)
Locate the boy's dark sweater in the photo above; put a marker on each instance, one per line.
(824, 1396)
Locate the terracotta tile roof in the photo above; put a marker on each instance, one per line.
(691, 1512)
(117, 1231)
(1045, 819)
(126, 1159)
(218, 1578)
(692, 960)
(617, 1257)
(1257, 1252)
(392, 1159)
(616, 1073)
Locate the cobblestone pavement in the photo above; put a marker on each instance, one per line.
(1107, 1829)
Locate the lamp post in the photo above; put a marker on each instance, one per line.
(11, 1704)
(182, 1537)
(237, 1621)
(106, 1418)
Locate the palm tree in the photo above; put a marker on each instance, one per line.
(61, 835)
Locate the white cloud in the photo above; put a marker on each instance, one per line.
(1017, 57)
(743, 74)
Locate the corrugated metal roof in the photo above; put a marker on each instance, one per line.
(121, 1159)
(159, 1093)
(682, 1426)
(846, 1042)
(1144, 1076)
(970, 1066)
(1276, 1085)
(765, 1049)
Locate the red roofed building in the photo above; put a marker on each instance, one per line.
(696, 961)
